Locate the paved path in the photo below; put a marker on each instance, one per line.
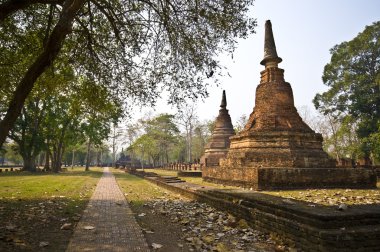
(115, 228)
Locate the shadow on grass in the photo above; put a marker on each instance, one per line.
(76, 172)
(127, 177)
(27, 222)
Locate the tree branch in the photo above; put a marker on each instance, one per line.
(111, 18)
(44, 60)
(11, 6)
(90, 41)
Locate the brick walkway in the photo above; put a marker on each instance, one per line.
(115, 228)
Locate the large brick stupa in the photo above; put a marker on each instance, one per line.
(276, 149)
(218, 145)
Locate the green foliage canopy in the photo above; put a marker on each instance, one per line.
(353, 78)
(137, 49)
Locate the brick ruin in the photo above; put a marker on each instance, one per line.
(276, 149)
(219, 142)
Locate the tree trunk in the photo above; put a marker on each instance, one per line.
(72, 160)
(54, 160)
(98, 156)
(88, 155)
(190, 143)
(61, 154)
(29, 163)
(47, 161)
(40, 159)
(44, 60)
(101, 158)
(142, 160)
(57, 157)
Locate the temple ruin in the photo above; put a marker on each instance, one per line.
(276, 149)
(218, 145)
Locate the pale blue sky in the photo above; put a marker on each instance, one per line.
(304, 32)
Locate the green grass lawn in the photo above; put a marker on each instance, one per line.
(25, 185)
(193, 180)
(162, 172)
(139, 190)
(33, 207)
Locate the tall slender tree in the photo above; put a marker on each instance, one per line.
(187, 118)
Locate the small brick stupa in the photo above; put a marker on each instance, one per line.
(276, 149)
(219, 142)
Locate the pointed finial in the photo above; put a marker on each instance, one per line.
(224, 100)
(270, 53)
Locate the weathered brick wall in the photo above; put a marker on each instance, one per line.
(277, 149)
(291, 178)
(232, 176)
(189, 174)
(274, 105)
(272, 178)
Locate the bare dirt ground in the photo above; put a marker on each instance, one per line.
(158, 230)
(179, 225)
(333, 197)
(36, 226)
(172, 222)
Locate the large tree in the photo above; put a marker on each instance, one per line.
(28, 132)
(136, 48)
(353, 78)
(31, 128)
(201, 136)
(159, 137)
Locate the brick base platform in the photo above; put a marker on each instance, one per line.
(291, 178)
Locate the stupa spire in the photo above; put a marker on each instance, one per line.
(271, 58)
(223, 104)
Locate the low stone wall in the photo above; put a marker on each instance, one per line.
(183, 166)
(10, 169)
(310, 227)
(189, 173)
(291, 178)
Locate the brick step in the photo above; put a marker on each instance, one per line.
(150, 174)
(170, 179)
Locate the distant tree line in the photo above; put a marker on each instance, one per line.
(164, 139)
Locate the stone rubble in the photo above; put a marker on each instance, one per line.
(207, 229)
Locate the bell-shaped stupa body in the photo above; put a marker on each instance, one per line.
(276, 149)
(218, 145)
